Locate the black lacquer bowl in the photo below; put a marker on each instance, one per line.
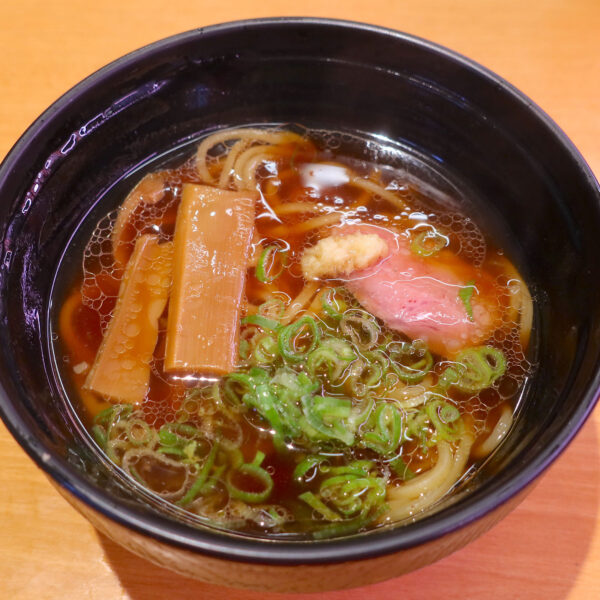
(334, 75)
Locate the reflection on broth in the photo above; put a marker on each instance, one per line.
(281, 339)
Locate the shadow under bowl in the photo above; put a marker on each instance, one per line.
(530, 183)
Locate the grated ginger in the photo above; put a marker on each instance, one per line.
(337, 256)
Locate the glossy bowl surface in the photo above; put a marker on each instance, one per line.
(530, 185)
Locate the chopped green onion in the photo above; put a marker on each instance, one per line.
(478, 368)
(360, 468)
(167, 438)
(333, 305)
(365, 375)
(238, 385)
(260, 321)
(189, 450)
(265, 402)
(99, 435)
(349, 526)
(360, 413)
(401, 469)
(294, 384)
(277, 518)
(360, 328)
(428, 242)
(438, 411)
(258, 458)
(244, 349)
(111, 446)
(384, 429)
(183, 429)
(333, 354)
(112, 414)
(411, 362)
(136, 475)
(329, 408)
(235, 458)
(201, 479)
(325, 359)
(134, 437)
(211, 482)
(324, 415)
(448, 378)
(104, 417)
(418, 428)
(319, 507)
(308, 463)
(266, 350)
(265, 272)
(181, 439)
(256, 472)
(449, 413)
(465, 294)
(174, 450)
(273, 308)
(352, 495)
(287, 336)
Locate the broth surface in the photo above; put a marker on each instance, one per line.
(333, 421)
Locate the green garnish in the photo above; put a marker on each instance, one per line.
(306, 465)
(476, 369)
(410, 361)
(202, 477)
(360, 328)
(319, 506)
(262, 322)
(99, 435)
(383, 429)
(273, 308)
(288, 338)
(259, 476)
(465, 293)
(330, 358)
(333, 304)
(401, 469)
(266, 271)
(445, 418)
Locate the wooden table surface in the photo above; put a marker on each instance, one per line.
(549, 547)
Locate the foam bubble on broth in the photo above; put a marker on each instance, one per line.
(169, 400)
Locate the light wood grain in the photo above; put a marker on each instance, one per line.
(550, 546)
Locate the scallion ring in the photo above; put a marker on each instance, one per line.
(438, 411)
(478, 368)
(273, 308)
(333, 305)
(287, 338)
(411, 362)
(385, 432)
(360, 328)
(139, 432)
(266, 269)
(258, 475)
(319, 506)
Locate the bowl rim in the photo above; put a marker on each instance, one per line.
(255, 550)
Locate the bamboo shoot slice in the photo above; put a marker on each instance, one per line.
(213, 236)
(121, 369)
